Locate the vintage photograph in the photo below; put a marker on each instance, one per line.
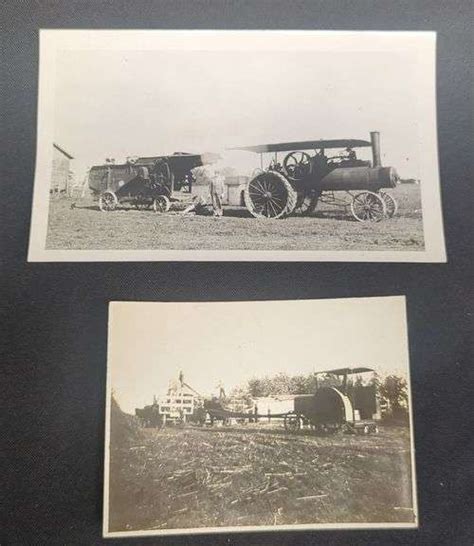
(258, 416)
(236, 145)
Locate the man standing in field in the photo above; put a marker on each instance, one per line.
(216, 189)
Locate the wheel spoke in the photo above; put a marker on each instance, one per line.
(278, 207)
(256, 191)
(271, 186)
(259, 185)
(256, 195)
(378, 212)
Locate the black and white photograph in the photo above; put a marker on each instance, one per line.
(258, 416)
(237, 145)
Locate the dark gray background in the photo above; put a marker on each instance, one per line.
(55, 315)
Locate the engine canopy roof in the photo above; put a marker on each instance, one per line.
(305, 145)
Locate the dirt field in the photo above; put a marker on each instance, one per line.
(257, 475)
(85, 227)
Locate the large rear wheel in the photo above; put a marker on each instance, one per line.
(270, 195)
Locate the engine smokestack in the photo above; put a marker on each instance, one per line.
(375, 140)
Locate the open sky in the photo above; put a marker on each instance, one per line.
(149, 343)
(124, 103)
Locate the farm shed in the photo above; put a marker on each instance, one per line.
(60, 170)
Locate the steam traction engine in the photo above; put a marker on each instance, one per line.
(303, 179)
(351, 407)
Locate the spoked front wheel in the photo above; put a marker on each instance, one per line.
(161, 204)
(108, 201)
(368, 207)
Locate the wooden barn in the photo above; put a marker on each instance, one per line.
(60, 171)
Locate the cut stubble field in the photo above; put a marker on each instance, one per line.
(79, 225)
(258, 475)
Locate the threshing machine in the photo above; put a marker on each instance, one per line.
(146, 182)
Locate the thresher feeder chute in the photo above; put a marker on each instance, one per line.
(308, 174)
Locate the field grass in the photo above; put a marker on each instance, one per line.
(83, 226)
(257, 474)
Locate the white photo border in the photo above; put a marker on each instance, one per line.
(400, 300)
(420, 44)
